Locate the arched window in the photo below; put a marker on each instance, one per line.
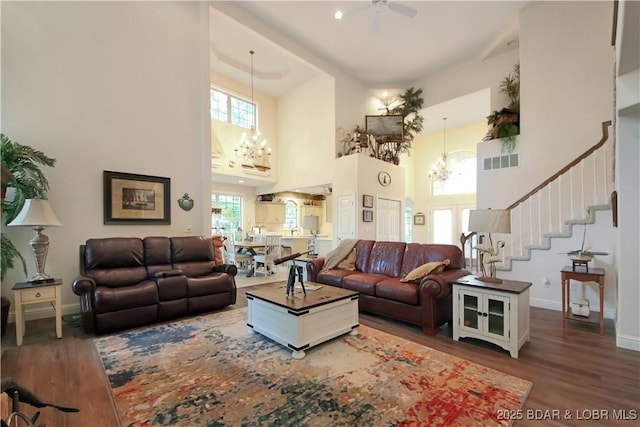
(463, 175)
(291, 214)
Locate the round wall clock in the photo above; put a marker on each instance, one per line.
(384, 178)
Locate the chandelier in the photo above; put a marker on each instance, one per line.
(253, 149)
(441, 171)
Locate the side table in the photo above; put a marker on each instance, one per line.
(26, 293)
(494, 312)
(592, 275)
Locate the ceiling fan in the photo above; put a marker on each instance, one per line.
(381, 5)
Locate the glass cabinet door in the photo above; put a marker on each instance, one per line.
(470, 310)
(497, 317)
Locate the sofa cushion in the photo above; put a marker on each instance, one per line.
(417, 274)
(111, 299)
(396, 290)
(157, 254)
(363, 282)
(207, 285)
(114, 262)
(192, 255)
(417, 254)
(386, 258)
(334, 277)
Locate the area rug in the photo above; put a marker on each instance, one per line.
(213, 371)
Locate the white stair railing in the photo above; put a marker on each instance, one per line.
(569, 197)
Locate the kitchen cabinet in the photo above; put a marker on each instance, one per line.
(270, 213)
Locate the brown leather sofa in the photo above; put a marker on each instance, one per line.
(379, 267)
(126, 282)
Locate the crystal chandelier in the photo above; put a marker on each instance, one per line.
(441, 171)
(253, 149)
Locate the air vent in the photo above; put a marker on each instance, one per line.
(499, 162)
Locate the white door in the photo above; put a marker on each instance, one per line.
(346, 216)
(448, 222)
(389, 220)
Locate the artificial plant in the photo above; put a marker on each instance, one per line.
(505, 123)
(28, 182)
(408, 105)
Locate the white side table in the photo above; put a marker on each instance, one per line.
(26, 293)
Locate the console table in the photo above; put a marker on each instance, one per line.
(25, 293)
(592, 275)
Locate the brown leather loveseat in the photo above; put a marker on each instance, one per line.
(379, 266)
(127, 281)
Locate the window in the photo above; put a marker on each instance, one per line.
(291, 214)
(231, 109)
(463, 176)
(226, 212)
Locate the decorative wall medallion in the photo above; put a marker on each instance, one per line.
(232, 164)
(186, 203)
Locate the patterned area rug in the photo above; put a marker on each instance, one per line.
(212, 371)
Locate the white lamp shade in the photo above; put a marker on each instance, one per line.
(311, 222)
(490, 220)
(36, 212)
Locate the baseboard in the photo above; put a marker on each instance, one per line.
(629, 342)
(546, 303)
(33, 313)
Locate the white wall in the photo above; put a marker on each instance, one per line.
(119, 86)
(566, 72)
(306, 123)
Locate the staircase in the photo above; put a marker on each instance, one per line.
(570, 197)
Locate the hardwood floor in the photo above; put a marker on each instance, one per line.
(575, 372)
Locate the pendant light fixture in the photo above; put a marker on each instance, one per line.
(253, 150)
(441, 170)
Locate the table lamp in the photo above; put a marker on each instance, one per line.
(489, 221)
(37, 213)
(312, 223)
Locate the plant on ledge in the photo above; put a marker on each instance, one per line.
(505, 124)
(28, 182)
(408, 105)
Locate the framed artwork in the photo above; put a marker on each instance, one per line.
(367, 215)
(367, 201)
(385, 128)
(418, 219)
(136, 199)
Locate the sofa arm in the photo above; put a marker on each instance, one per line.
(314, 266)
(83, 285)
(230, 269)
(438, 285)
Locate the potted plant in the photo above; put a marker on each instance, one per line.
(28, 182)
(408, 105)
(505, 124)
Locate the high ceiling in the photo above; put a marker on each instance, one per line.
(376, 44)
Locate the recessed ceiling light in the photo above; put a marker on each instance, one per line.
(240, 181)
(338, 14)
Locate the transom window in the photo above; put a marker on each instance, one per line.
(463, 175)
(231, 109)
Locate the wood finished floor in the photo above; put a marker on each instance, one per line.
(574, 370)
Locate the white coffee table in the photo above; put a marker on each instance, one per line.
(298, 321)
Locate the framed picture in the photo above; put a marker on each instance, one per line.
(367, 215)
(385, 128)
(367, 201)
(136, 199)
(418, 219)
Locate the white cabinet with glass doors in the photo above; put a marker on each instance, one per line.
(494, 312)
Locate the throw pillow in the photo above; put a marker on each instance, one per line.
(349, 263)
(218, 243)
(424, 270)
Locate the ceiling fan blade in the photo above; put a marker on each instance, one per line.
(402, 9)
